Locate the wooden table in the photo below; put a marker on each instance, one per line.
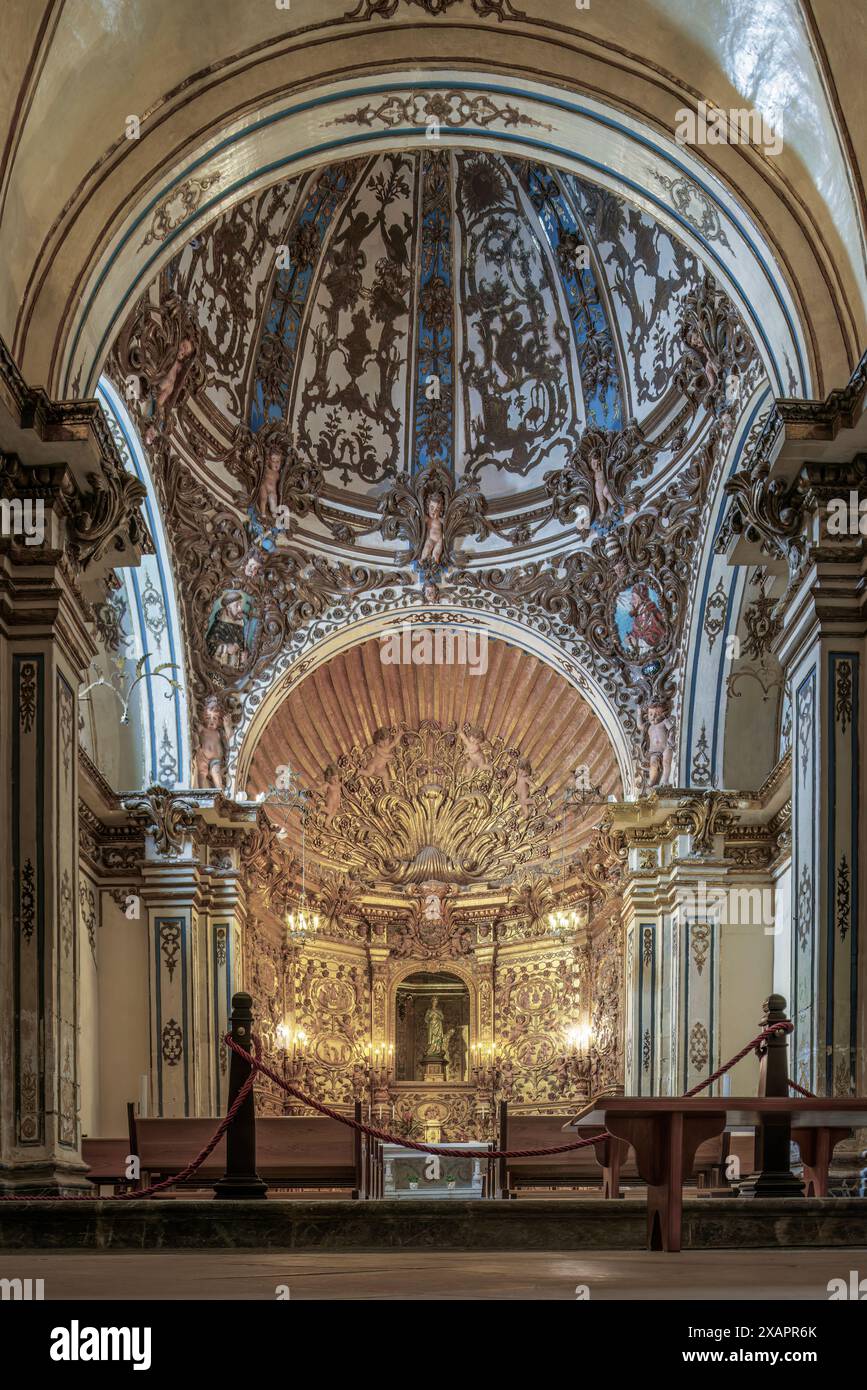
(666, 1131)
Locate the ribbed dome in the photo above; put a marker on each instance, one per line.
(464, 307)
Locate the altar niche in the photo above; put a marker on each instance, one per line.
(432, 1028)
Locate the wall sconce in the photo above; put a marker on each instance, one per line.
(575, 1066)
(381, 1063)
(293, 1041)
(578, 1039)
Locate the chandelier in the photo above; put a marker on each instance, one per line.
(301, 921)
(564, 922)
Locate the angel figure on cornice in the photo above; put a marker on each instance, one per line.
(594, 489)
(433, 513)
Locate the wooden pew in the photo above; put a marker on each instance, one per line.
(578, 1168)
(106, 1159)
(293, 1151)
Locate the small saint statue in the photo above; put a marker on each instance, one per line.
(434, 1022)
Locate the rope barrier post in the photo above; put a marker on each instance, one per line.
(502, 1179)
(241, 1179)
(774, 1176)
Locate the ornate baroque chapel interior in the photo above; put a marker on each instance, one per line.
(441, 626)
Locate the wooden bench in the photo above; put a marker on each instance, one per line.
(292, 1151)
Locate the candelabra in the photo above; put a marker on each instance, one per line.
(293, 1062)
(378, 1065)
(483, 1068)
(575, 1064)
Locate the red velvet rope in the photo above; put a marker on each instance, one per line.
(257, 1066)
(157, 1186)
(810, 1095)
(386, 1137)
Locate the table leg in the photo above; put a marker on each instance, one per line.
(610, 1154)
(817, 1149)
(665, 1145)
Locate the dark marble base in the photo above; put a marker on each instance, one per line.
(562, 1224)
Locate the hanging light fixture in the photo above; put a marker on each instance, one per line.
(302, 920)
(564, 922)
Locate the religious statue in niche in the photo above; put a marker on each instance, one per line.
(434, 1021)
(659, 742)
(432, 1017)
(230, 637)
(642, 627)
(213, 733)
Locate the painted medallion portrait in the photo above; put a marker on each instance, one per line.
(640, 619)
(233, 625)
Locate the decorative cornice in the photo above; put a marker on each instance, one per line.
(108, 849)
(823, 420)
(168, 818)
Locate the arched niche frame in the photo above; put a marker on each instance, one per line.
(580, 134)
(157, 711)
(461, 970)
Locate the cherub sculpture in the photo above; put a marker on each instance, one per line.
(473, 740)
(210, 755)
(379, 753)
(660, 735)
(267, 496)
(332, 792)
(432, 551)
(524, 785)
(602, 492)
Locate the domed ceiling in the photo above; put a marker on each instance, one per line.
(458, 307)
(430, 376)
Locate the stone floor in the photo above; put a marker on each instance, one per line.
(218, 1274)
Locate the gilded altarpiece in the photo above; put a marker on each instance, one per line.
(539, 995)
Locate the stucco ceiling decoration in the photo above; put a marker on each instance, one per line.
(449, 308)
(273, 533)
(399, 796)
(594, 140)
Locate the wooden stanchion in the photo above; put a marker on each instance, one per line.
(241, 1181)
(774, 1176)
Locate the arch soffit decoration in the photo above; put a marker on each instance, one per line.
(373, 115)
(317, 651)
(725, 598)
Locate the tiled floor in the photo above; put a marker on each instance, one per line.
(722, 1274)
